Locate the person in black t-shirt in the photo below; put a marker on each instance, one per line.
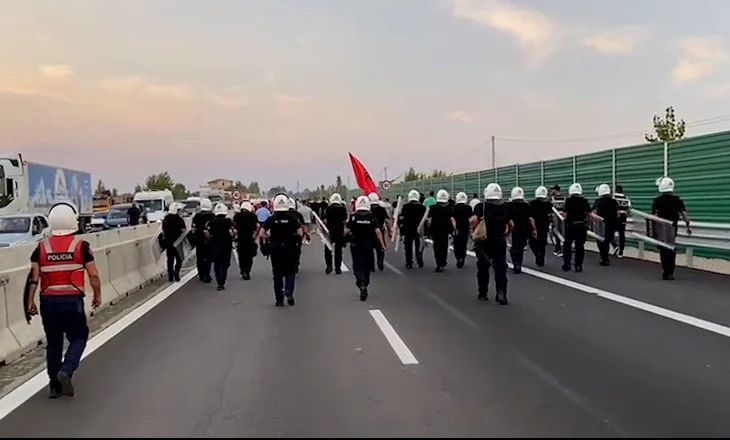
(408, 221)
(441, 224)
(364, 233)
(133, 215)
(462, 213)
(524, 227)
(606, 207)
(576, 213)
(541, 210)
(670, 207)
(202, 246)
(173, 226)
(492, 251)
(221, 231)
(624, 207)
(335, 217)
(247, 226)
(381, 215)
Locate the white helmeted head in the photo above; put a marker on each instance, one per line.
(362, 203)
(292, 203)
(414, 196)
(63, 219)
(442, 196)
(247, 206)
(493, 192)
(541, 192)
(335, 199)
(206, 205)
(517, 193)
(576, 189)
(374, 198)
(461, 198)
(174, 208)
(281, 203)
(220, 209)
(665, 185)
(603, 190)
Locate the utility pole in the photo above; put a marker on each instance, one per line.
(385, 173)
(494, 154)
(297, 186)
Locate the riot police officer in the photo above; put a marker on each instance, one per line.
(173, 227)
(409, 220)
(491, 247)
(381, 215)
(558, 202)
(247, 226)
(441, 224)
(576, 213)
(524, 226)
(541, 212)
(669, 206)
(221, 231)
(462, 213)
(202, 247)
(305, 234)
(335, 217)
(280, 238)
(624, 207)
(364, 234)
(606, 207)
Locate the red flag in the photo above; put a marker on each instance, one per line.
(362, 177)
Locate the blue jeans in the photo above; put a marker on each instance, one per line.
(64, 316)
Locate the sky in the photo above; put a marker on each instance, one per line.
(280, 91)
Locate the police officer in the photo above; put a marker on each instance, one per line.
(408, 221)
(221, 231)
(461, 213)
(58, 264)
(441, 224)
(606, 207)
(280, 239)
(305, 237)
(524, 226)
(474, 201)
(364, 233)
(247, 226)
(381, 215)
(541, 212)
(576, 213)
(173, 227)
(492, 251)
(669, 206)
(202, 247)
(335, 217)
(624, 207)
(558, 202)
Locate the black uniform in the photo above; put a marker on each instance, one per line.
(520, 213)
(492, 252)
(202, 246)
(173, 227)
(440, 228)
(558, 203)
(624, 207)
(577, 209)
(606, 208)
(221, 247)
(335, 217)
(246, 226)
(669, 207)
(462, 213)
(300, 219)
(381, 215)
(283, 248)
(541, 211)
(408, 221)
(362, 227)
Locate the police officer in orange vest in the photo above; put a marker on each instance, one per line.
(59, 264)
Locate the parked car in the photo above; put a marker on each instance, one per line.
(97, 221)
(22, 228)
(117, 216)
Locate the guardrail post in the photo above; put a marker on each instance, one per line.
(641, 250)
(689, 255)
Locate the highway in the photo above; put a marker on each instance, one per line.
(610, 352)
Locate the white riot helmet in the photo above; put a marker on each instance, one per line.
(63, 219)
(461, 198)
(220, 209)
(442, 196)
(517, 193)
(603, 190)
(374, 198)
(247, 206)
(206, 205)
(336, 199)
(493, 192)
(292, 203)
(174, 208)
(575, 190)
(665, 185)
(541, 192)
(414, 196)
(363, 203)
(281, 203)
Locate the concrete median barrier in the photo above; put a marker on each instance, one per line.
(127, 259)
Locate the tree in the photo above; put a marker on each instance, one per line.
(179, 191)
(100, 187)
(115, 192)
(437, 173)
(412, 175)
(138, 188)
(253, 188)
(158, 182)
(667, 129)
(338, 182)
(276, 190)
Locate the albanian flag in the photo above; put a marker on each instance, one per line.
(364, 181)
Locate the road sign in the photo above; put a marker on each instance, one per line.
(386, 184)
(237, 195)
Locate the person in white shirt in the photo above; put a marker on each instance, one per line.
(306, 213)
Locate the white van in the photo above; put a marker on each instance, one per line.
(155, 203)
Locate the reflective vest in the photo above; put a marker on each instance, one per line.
(61, 266)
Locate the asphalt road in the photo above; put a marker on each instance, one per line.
(556, 362)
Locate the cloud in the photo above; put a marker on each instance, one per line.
(623, 41)
(700, 58)
(286, 102)
(56, 71)
(461, 116)
(536, 33)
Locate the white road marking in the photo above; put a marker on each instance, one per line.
(400, 347)
(651, 308)
(11, 401)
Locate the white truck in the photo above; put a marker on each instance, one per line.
(155, 203)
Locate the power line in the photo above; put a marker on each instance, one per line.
(616, 136)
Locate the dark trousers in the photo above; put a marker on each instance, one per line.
(491, 254)
(440, 248)
(668, 260)
(63, 316)
(284, 264)
(411, 241)
(203, 260)
(362, 262)
(221, 263)
(245, 251)
(461, 239)
(174, 261)
(519, 241)
(604, 247)
(621, 237)
(379, 251)
(537, 245)
(574, 233)
(337, 245)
